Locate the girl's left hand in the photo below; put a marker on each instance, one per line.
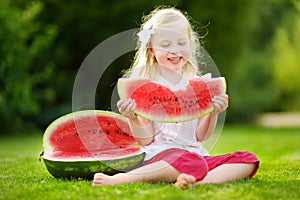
(220, 103)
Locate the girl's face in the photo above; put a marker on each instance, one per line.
(171, 47)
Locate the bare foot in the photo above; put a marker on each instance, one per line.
(103, 179)
(184, 180)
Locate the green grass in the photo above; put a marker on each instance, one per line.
(22, 176)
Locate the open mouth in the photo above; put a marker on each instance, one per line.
(175, 60)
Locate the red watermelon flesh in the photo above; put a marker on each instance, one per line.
(89, 134)
(82, 143)
(159, 103)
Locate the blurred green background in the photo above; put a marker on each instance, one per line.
(255, 44)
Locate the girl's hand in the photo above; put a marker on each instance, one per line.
(126, 107)
(220, 103)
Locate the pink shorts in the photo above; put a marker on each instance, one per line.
(193, 164)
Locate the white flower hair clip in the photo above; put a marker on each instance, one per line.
(145, 35)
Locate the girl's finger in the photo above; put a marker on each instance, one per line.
(217, 108)
(131, 106)
(219, 103)
(222, 97)
(222, 100)
(122, 105)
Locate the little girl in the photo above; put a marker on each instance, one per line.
(168, 52)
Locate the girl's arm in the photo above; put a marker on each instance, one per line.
(207, 124)
(142, 129)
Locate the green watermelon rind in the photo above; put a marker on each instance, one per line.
(76, 168)
(182, 118)
(86, 167)
(122, 94)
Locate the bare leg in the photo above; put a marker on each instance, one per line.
(221, 174)
(158, 171)
(228, 172)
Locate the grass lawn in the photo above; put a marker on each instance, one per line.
(22, 176)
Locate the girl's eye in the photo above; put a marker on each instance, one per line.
(165, 44)
(182, 42)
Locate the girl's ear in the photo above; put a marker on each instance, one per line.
(151, 54)
(150, 49)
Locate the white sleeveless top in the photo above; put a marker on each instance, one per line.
(174, 135)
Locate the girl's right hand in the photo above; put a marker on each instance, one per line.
(126, 107)
(220, 103)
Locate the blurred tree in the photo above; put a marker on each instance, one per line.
(229, 24)
(238, 39)
(237, 42)
(82, 26)
(250, 81)
(240, 45)
(24, 65)
(253, 83)
(286, 60)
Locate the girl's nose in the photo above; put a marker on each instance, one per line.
(175, 51)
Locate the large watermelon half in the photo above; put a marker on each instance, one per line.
(85, 142)
(159, 103)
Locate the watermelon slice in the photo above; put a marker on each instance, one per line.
(85, 142)
(159, 103)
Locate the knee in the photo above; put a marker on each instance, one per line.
(202, 164)
(246, 157)
(199, 167)
(203, 169)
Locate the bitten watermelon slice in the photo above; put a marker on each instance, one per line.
(85, 142)
(159, 103)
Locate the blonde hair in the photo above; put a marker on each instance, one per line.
(144, 64)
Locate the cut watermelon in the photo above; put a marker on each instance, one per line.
(159, 103)
(85, 142)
